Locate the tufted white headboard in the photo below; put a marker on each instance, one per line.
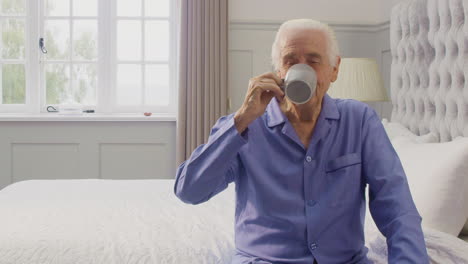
(429, 45)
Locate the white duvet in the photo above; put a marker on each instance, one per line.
(139, 221)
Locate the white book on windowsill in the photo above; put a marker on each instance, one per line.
(71, 111)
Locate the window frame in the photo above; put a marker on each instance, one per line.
(28, 63)
(35, 101)
(172, 59)
(70, 61)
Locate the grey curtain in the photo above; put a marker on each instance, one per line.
(203, 71)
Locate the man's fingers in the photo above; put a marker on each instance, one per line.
(268, 83)
(273, 88)
(271, 76)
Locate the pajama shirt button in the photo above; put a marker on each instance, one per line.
(313, 246)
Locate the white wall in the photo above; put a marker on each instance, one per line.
(332, 11)
(132, 150)
(386, 8)
(84, 150)
(250, 47)
(362, 29)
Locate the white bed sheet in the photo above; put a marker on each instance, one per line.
(106, 221)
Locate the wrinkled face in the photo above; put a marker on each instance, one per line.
(309, 47)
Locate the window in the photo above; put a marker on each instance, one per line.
(13, 53)
(69, 58)
(142, 61)
(113, 56)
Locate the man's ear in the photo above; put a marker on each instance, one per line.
(336, 69)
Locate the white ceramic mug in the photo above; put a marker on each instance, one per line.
(300, 83)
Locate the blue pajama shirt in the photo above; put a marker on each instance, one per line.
(298, 205)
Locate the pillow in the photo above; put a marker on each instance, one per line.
(438, 178)
(464, 231)
(395, 130)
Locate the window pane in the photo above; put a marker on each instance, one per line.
(129, 86)
(157, 40)
(13, 7)
(13, 84)
(57, 83)
(57, 7)
(57, 39)
(129, 8)
(159, 8)
(85, 7)
(157, 85)
(129, 40)
(13, 39)
(85, 39)
(84, 83)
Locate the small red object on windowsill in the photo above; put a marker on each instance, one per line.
(147, 114)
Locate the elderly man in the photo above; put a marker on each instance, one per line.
(301, 170)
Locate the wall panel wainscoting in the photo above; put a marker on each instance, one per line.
(84, 150)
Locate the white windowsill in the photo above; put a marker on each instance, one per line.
(85, 117)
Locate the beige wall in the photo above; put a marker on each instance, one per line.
(250, 46)
(332, 11)
(132, 150)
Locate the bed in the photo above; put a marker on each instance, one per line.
(141, 221)
(107, 221)
(429, 92)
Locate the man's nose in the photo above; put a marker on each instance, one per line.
(302, 60)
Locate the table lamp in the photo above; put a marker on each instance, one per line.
(359, 79)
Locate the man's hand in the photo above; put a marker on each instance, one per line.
(260, 92)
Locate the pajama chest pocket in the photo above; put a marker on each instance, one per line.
(343, 179)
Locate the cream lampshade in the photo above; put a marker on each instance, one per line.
(359, 79)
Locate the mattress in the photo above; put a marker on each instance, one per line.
(107, 221)
(140, 221)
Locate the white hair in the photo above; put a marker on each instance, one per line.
(332, 45)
